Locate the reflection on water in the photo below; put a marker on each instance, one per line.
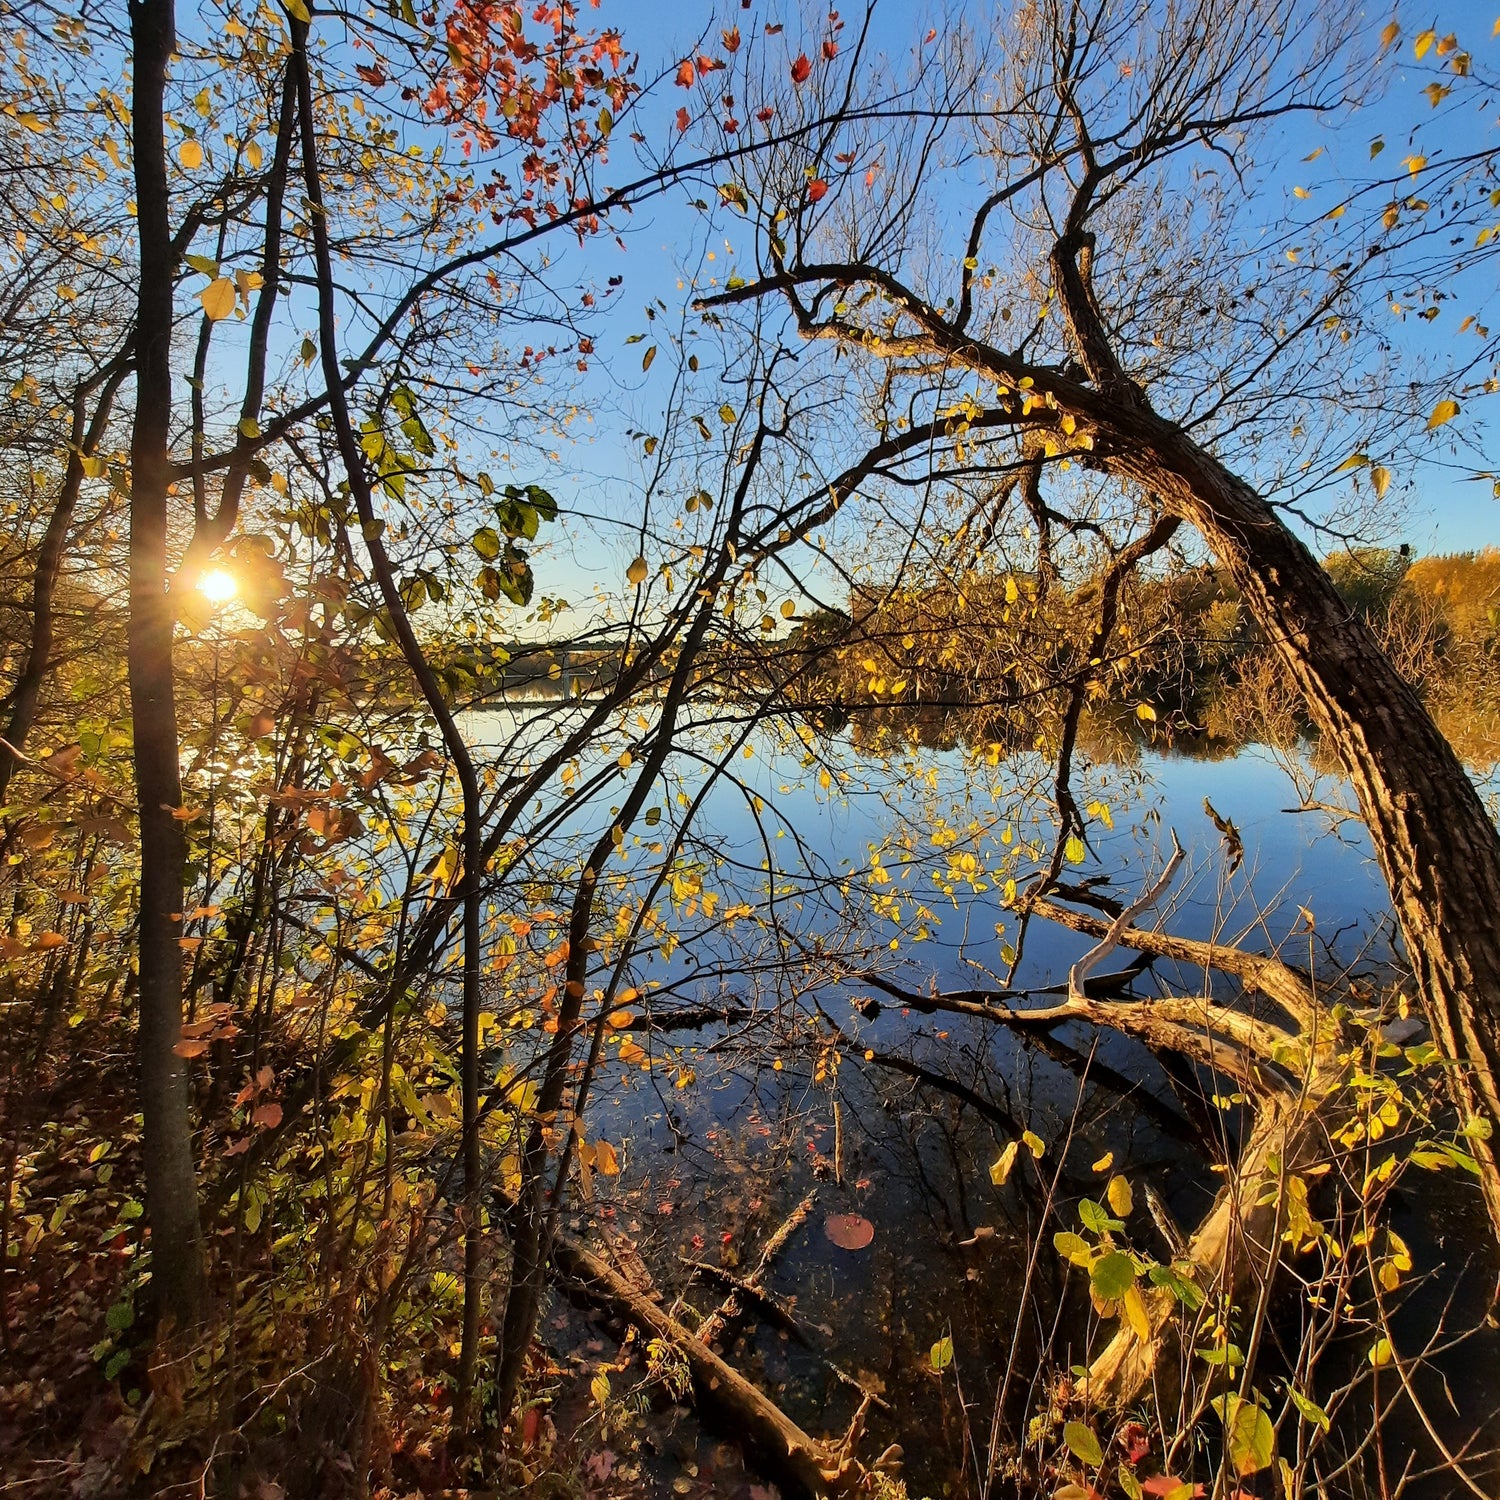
(896, 1116)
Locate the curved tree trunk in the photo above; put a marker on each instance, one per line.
(1437, 847)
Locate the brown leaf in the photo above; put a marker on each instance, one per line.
(849, 1231)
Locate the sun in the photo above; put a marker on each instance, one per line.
(217, 586)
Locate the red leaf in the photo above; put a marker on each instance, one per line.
(764, 115)
(816, 188)
(682, 119)
(268, 1116)
(686, 74)
(801, 69)
(849, 1231)
(830, 50)
(931, 36)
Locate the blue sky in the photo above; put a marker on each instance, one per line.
(1442, 507)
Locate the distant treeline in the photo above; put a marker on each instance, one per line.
(993, 657)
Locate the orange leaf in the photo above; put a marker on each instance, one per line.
(682, 119)
(268, 1116)
(192, 1048)
(731, 39)
(686, 74)
(49, 940)
(816, 188)
(830, 49)
(801, 69)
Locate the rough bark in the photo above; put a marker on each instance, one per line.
(171, 1185)
(1437, 847)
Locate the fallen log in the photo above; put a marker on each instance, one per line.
(800, 1463)
(731, 1307)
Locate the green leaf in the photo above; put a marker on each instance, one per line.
(941, 1353)
(727, 414)
(487, 543)
(117, 1362)
(1181, 1287)
(1252, 1438)
(1113, 1275)
(1095, 1218)
(1082, 1444)
(1309, 1409)
(297, 11)
(120, 1317)
(204, 263)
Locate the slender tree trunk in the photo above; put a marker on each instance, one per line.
(171, 1186)
(472, 836)
(25, 697)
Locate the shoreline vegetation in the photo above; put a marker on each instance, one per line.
(806, 1048)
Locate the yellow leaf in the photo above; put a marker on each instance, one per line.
(1424, 42)
(1135, 1312)
(1121, 1200)
(1444, 411)
(1380, 481)
(606, 1161)
(190, 154)
(218, 298)
(1001, 1167)
(1302, 192)
(1145, 713)
(1389, 35)
(1354, 461)
(253, 155)
(1033, 1143)
(636, 572)
(1105, 1162)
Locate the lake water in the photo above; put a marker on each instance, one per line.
(896, 1116)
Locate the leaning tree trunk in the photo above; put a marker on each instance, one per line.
(1437, 847)
(171, 1185)
(1436, 844)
